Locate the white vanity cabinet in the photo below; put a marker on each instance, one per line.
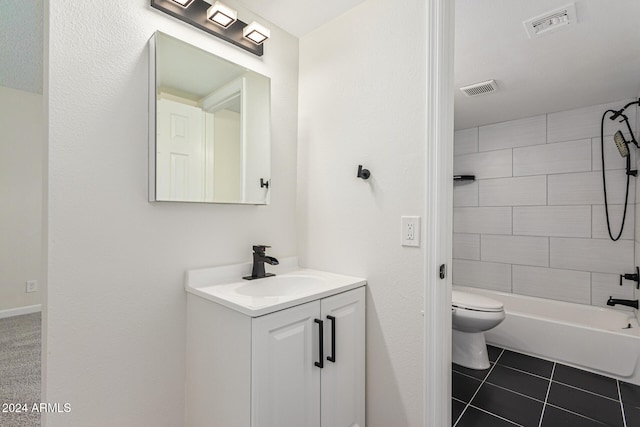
(303, 366)
(298, 382)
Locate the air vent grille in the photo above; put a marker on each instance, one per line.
(552, 21)
(480, 88)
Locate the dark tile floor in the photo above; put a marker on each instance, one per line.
(520, 390)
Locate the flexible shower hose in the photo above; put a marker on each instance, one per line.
(604, 184)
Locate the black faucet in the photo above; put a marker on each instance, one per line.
(628, 302)
(259, 258)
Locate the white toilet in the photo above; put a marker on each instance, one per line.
(472, 315)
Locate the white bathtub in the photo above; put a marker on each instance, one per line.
(590, 338)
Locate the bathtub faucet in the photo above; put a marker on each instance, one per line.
(628, 302)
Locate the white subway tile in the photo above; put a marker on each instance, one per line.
(599, 224)
(557, 221)
(551, 283)
(465, 194)
(487, 275)
(585, 188)
(583, 122)
(514, 133)
(494, 164)
(482, 220)
(466, 246)
(465, 141)
(563, 157)
(604, 286)
(595, 255)
(612, 158)
(531, 190)
(515, 250)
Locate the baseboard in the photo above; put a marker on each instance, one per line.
(10, 312)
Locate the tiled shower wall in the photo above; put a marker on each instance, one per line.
(533, 222)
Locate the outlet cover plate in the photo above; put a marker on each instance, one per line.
(410, 231)
(32, 286)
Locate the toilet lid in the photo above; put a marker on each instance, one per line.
(474, 302)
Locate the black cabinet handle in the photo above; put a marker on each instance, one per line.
(332, 358)
(320, 364)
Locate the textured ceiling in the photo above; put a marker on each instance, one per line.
(595, 61)
(21, 44)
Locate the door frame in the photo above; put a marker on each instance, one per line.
(438, 211)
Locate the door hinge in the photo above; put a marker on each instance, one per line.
(443, 271)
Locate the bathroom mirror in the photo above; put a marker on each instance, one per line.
(209, 127)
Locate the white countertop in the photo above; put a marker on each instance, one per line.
(291, 286)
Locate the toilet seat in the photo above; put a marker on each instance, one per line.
(475, 302)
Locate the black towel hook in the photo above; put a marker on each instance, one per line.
(363, 173)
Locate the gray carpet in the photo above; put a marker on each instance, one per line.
(20, 368)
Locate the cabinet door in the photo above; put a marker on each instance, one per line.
(343, 379)
(285, 388)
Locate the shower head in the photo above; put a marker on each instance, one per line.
(621, 143)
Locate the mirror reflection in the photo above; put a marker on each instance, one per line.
(212, 133)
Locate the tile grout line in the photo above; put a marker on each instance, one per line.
(546, 398)
(587, 391)
(514, 392)
(526, 372)
(495, 415)
(573, 412)
(478, 389)
(624, 418)
(464, 374)
(558, 382)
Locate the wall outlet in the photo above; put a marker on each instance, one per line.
(410, 231)
(32, 286)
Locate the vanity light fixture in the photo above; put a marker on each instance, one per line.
(222, 15)
(217, 19)
(256, 33)
(183, 3)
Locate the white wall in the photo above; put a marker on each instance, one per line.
(116, 304)
(362, 102)
(533, 223)
(21, 148)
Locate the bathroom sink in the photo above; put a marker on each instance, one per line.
(280, 286)
(290, 286)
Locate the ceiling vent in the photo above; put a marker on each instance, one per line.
(480, 88)
(551, 21)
